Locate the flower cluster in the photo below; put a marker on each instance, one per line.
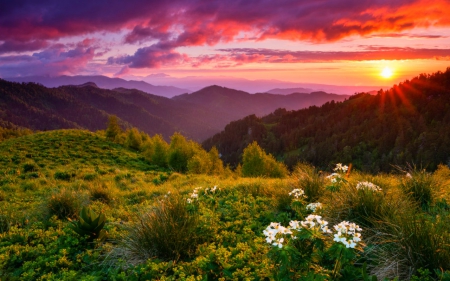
(341, 168)
(314, 206)
(297, 193)
(315, 222)
(211, 190)
(348, 234)
(365, 185)
(272, 231)
(194, 195)
(334, 177)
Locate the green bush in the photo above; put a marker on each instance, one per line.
(29, 167)
(167, 231)
(308, 179)
(100, 192)
(65, 176)
(256, 163)
(65, 204)
(419, 185)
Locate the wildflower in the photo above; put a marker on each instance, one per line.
(408, 175)
(314, 206)
(294, 225)
(297, 193)
(348, 234)
(315, 222)
(189, 200)
(279, 242)
(340, 167)
(368, 186)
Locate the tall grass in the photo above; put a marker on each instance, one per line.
(168, 231)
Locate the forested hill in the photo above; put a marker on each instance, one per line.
(197, 116)
(410, 123)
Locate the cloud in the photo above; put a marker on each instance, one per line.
(29, 25)
(12, 46)
(200, 22)
(57, 59)
(153, 56)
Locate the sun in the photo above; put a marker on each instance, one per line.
(387, 72)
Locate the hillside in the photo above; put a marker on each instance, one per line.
(410, 123)
(162, 225)
(198, 115)
(55, 150)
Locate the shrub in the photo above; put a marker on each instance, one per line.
(28, 185)
(100, 192)
(415, 242)
(419, 185)
(168, 232)
(310, 181)
(29, 167)
(256, 163)
(65, 176)
(65, 204)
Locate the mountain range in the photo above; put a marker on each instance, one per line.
(198, 115)
(190, 84)
(102, 82)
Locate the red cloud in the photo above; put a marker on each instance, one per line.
(199, 22)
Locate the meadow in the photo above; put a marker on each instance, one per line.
(57, 187)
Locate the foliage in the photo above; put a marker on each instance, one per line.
(113, 128)
(167, 231)
(227, 215)
(256, 163)
(64, 204)
(133, 139)
(90, 224)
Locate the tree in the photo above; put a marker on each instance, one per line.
(256, 163)
(134, 139)
(113, 127)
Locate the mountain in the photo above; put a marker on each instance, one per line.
(236, 103)
(409, 123)
(196, 83)
(278, 91)
(198, 115)
(102, 82)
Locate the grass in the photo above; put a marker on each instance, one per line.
(46, 178)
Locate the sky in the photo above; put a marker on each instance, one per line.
(340, 42)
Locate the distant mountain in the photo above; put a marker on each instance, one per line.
(410, 123)
(198, 115)
(278, 91)
(196, 83)
(102, 82)
(239, 103)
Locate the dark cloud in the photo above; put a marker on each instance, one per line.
(13, 46)
(153, 56)
(55, 60)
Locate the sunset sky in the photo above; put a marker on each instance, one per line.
(342, 42)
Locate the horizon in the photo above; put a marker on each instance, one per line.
(329, 42)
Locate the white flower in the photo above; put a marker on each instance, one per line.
(294, 225)
(408, 175)
(347, 233)
(189, 200)
(368, 186)
(297, 193)
(314, 206)
(340, 167)
(279, 242)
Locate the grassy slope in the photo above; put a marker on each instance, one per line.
(39, 246)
